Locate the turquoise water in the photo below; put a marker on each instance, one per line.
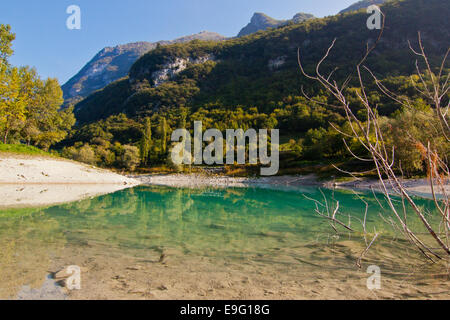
(244, 224)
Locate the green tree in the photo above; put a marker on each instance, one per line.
(84, 154)
(29, 107)
(409, 132)
(9, 82)
(146, 141)
(6, 39)
(128, 157)
(163, 135)
(46, 122)
(13, 102)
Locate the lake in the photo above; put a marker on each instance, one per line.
(154, 242)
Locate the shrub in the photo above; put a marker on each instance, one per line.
(128, 157)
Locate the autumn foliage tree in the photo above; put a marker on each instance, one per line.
(29, 106)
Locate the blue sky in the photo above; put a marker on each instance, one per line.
(44, 42)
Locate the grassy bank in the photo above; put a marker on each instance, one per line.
(24, 150)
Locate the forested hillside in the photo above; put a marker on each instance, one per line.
(254, 81)
(261, 69)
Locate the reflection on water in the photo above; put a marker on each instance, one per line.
(260, 229)
(39, 195)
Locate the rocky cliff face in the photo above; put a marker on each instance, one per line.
(174, 67)
(113, 63)
(261, 21)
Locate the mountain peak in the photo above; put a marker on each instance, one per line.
(301, 16)
(261, 21)
(363, 4)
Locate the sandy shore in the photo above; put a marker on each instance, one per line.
(419, 187)
(39, 181)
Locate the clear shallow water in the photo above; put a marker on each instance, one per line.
(237, 231)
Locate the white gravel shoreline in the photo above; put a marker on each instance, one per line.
(28, 181)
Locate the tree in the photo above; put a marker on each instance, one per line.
(6, 39)
(13, 101)
(163, 135)
(46, 122)
(8, 80)
(128, 157)
(29, 107)
(183, 117)
(84, 154)
(146, 141)
(405, 130)
(371, 137)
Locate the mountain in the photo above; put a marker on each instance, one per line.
(261, 21)
(301, 16)
(261, 70)
(113, 63)
(108, 65)
(362, 5)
